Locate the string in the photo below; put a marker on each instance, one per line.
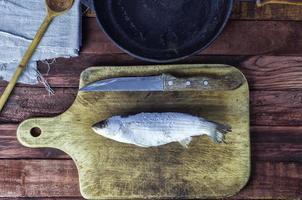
(44, 82)
(46, 62)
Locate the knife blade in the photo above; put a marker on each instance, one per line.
(148, 83)
(165, 82)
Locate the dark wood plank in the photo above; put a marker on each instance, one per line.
(65, 72)
(263, 72)
(52, 178)
(68, 76)
(257, 38)
(10, 147)
(238, 38)
(27, 102)
(94, 40)
(268, 108)
(42, 198)
(273, 181)
(249, 11)
(279, 144)
(274, 108)
(273, 72)
(38, 178)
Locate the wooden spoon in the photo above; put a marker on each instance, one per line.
(54, 8)
(288, 2)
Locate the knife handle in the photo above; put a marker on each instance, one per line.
(205, 83)
(288, 2)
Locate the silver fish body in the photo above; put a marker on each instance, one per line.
(155, 129)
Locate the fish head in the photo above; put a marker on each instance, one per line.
(111, 128)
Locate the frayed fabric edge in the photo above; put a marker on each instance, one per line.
(30, 76)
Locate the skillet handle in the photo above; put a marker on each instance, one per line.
(261, 3)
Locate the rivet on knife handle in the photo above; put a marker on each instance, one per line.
(288, 2)
(206, 83)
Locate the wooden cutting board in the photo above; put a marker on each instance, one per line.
(108, 169)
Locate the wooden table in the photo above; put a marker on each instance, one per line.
(266, 44)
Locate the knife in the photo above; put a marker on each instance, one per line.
(166, 82)
(264, 2)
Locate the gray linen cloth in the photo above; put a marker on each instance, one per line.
(19, 22)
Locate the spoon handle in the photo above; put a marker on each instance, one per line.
(28, 54)
(288, 2)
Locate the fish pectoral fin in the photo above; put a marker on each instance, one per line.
(185, 142)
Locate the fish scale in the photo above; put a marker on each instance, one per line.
(155, 129)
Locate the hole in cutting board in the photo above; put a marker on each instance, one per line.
(35, 132)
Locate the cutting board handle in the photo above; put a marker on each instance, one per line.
(33, 133)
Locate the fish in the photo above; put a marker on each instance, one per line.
(156, 129)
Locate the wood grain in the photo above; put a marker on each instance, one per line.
(274, 108)
(58, 178)
(66, 72)
(278, 144)
(274, 181)
(27, 102)
(249, 11)
(263, 72)
(268, 108)
(273, 72)
(12, 149)
(268, 143)
(238, 38)
(38, 178)
(42, 198)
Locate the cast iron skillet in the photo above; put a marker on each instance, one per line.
(162, 30)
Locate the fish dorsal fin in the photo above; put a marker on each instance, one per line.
(185, 142)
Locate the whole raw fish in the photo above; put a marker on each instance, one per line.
(155, 129)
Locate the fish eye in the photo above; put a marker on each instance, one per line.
(103, 124)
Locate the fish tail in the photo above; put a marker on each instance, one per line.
(220, 132)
